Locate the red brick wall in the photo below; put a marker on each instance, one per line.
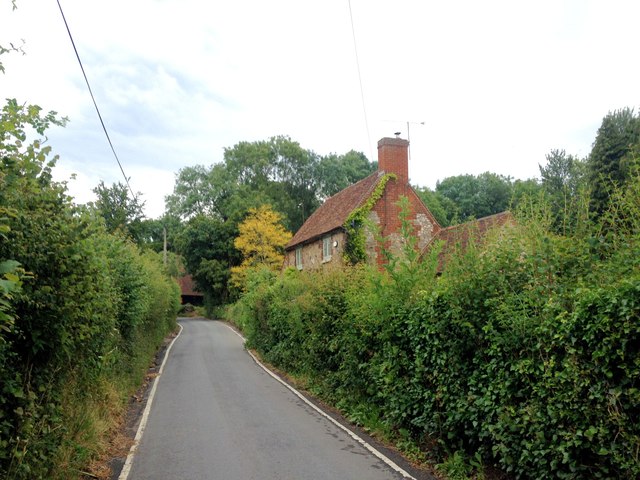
(393, 157)
(387, 209)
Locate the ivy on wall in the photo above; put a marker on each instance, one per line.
(355, 248)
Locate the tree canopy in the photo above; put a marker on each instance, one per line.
(277, 172)
(563, 179)
(613, 156)
(477, 196)
(119, 211)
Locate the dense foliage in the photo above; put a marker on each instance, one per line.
(477, 195)
(212, 201)
(261, 240)
(277, 172)
(120, 212)
(82, 311)
(613, 156)
(524, 353)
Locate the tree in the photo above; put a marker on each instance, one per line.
(281, 171)
(337, 172)
(261, 241)
(477, 196)
(563, 180)
(278, 172)
(206, 245)
(524, 189)
(611, 159)
(152, 232)
(119, 211)
(202, 191)
(443, 208)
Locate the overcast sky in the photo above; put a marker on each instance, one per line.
(498, 84)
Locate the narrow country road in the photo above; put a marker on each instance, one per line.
(218, 415)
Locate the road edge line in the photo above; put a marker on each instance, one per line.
(126, 468)
(381, 456)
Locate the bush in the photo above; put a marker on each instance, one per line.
(90, 311)
(524, 353)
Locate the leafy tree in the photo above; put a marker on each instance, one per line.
(524, 189)
(152, 232)
(261, 241)
(563, 179)
(612, 154)
(443, 208)
(278, 172)
(51, 331)
(337, 172)
(119, 211)
(64, 362)
(202, 191)
(214, 200)
(477, 196)
(206, 245)
(281, 171)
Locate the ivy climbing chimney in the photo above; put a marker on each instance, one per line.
(393, 157)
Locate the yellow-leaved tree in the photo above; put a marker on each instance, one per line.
(261, 241)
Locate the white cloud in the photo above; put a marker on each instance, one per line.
(497, 84)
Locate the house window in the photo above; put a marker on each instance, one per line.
(326, 248)
(299, 258)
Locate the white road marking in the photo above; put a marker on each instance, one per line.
(353, 435)
(124, 473)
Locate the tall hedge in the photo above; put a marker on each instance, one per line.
(89, 310)
(524, 352)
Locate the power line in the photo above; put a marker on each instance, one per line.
(364, 109)
(104, 128)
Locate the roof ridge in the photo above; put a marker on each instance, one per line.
(475, 220)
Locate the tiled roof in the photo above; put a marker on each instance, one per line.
(457, 236)
(332, 214)
(187, 286)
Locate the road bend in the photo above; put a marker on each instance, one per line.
(216, 414)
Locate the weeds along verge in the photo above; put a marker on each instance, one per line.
(523, 352)
(81, 314)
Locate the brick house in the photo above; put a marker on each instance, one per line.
(322, 238)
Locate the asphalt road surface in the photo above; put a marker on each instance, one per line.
(218, 415)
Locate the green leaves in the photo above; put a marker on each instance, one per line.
(120, 212)
(614, 152)
(523, 353)
(89, 307)
(355, 250)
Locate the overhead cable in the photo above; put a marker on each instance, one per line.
(364, 108)
(104, 128)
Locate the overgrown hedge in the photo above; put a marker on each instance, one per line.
(524, 353)
(85, 312)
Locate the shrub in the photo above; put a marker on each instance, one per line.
(90, 311)
(523, 354)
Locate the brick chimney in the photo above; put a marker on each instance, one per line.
(393, 157)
